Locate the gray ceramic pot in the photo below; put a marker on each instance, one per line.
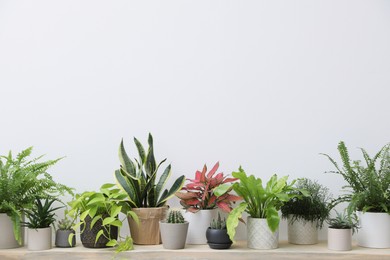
(173, 236)
(62, 238)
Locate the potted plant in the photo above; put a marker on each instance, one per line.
(216, 234)
(27, 177)
(65, 235)
(200, 201)
(306, 214)
(262, 204)
(40, 218)
(99, 217)
(145, 192)
(368, 193)
(174, 230)
(340, 230)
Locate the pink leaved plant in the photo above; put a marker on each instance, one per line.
(199, 193)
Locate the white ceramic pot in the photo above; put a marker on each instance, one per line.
(39, 239)
(7, 237)
(374, 230)
(199, 222)
(302, 232)
(259, 234)
(339, 239)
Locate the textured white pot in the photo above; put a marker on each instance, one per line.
(259, 234)
(7, 237)
(199, 222)
(339, 239)
(39, 239)
(302, 232)
(374, 230)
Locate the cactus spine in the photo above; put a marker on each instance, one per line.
(175, 217)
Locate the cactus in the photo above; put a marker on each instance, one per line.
(219, 223)
(175, 217)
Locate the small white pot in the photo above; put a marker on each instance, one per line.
(199, 222)
(39, 239)
(259, 234)
(339, 239)
(7, 237)
(302, 232)
(374, 230)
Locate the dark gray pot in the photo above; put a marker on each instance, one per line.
(173, 236)
(88, 235)
(62, 238)
(218, 238)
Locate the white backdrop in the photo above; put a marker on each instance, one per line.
(263, 84)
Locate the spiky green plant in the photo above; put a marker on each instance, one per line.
(343, 221)
(175, 217)
(218, 223)
(65, 223)
(41, 215)
(314, 207)
(22, 180)
(138, 179)
(368, 187)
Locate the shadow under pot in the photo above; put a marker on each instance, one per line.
(218, 238)
(88, 235)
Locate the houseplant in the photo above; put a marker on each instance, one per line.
(27, 177)
(340, 230)
(146, 196)
(216, 234)
(201, 202)
(174, 230)
(262, 204)
(306, 214)
(40, 218)
(98, 213)
(368, 193)
(65, 235)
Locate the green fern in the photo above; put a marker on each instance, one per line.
(368, 187)
(22, 180)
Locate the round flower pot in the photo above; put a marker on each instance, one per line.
(259, 234)
(199, 223)
(302, 232)
(173, 235)
(218, 238)
(39, 239)
(62, 238)
(88, 235)
(374, 230)
(339, 239)
(7, 237)
(148, 230)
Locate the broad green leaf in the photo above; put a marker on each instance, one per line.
(115, 210)
(116, 223)
(273, 218)
(221, 189)
(108, 221)
(112, 242)
(98, 235)
(133, 216)
(233, 219)
(84, 215)
(94, 220)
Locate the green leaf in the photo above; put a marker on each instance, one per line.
(233, 219)
(177, 185)
(222, 189)
(133, 216)
(163, 179)
(98, 235)
(273, 219)
(108, 221)
(84, 215)
(115, 210)
(112, 242)
(128, 187)
(125, 160)
(70, 239)
(94, 220)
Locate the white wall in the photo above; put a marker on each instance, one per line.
(265, 84)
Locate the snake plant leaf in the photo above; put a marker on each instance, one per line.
(128, 187)
(177, 185)
(163, 179)
(125, 160)
(141, 150)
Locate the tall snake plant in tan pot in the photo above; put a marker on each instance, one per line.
(146, 194)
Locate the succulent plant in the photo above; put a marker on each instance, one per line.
(175, 217)
(65, 224)
(343, 221)
(218, 223)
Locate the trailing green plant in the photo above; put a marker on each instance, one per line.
(343, 221)
(104, 205)
(41, 215)
(314, 207)
(175, 217)
(218, 223)
(200, 193)
(259, 201)
(22, 180)
(368, 185)
(138, 178)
